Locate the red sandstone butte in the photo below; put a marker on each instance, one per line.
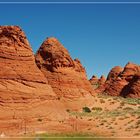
(24, 90)
(66, 76)
(124, 81)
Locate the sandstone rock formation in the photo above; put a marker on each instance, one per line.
(66, 76)
(114, 73)
(24, 90)
(98, 84)
(102, 80)
(123, 81)
(94, 80)
(120, 82)
(133, 89)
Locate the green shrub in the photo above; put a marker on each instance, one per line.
(128, 109)
(97, 108)
(86, 109)
(132, 101)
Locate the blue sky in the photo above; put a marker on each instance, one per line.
(100, 35)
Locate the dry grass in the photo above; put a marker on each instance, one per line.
(116, 115)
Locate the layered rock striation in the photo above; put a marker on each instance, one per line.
(66, 76)
(24, 90)
(120, 82)
(124, 81)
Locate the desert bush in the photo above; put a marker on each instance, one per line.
(89, 119)
(138, 122)
(110, 127)
(113, 131)
(109, 99)
(39, 120)
(128, 109)
(67, 110)
(114, 113)
(116, 98)
(102, 101)
(132, 101)
(121, 118)
(130, 121)
(97, 108)
(136, 134)
(138, 117)
(127, 129)
(111, 103)
(104, 121)
(133, 114)
(122, 103)
(101, 123)
(113, 119)
(86, 109)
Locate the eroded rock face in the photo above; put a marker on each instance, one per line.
(114, 73)
(98, 84)
(102, 80)
(133, 87)
(24, 90)
(65, 75)
(94, 80)
(16, 56)
(114, 83)
(130, 70)
(123, 81)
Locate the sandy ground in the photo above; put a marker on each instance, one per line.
(109, 117)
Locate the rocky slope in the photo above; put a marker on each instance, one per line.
(24, 90)
(66, 76)
(38, 89)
